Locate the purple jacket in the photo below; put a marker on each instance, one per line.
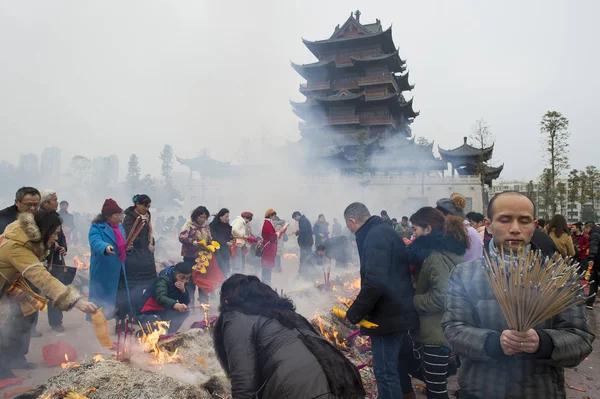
(475, 250)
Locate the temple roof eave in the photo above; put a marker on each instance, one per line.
(316, 47)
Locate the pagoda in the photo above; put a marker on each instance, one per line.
(466, 160)
(355, 110)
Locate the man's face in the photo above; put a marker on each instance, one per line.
(296, 218)
(404, 222)
(64, 207)
(52, 204)
(30, 203)
(321, 253)
(475, 225)
(184, 278)
(512, 223)
(352, 225)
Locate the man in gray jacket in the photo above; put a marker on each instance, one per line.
(499, 363)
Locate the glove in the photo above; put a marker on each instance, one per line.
(363, 323)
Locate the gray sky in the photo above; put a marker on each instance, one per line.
(130, 76)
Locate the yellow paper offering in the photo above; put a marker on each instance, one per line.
(101, 329)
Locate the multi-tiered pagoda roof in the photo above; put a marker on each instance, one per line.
(469, 160)
(356, 88)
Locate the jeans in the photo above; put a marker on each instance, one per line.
(304, 252)
(386, 358)
(266, 276)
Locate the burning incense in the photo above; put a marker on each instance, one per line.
(137, 227)
(531, 289)
(206, 308)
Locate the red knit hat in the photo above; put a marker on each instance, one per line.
(111, 207)
(248, 215)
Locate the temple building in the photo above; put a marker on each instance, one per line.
(472, 161)
(355, 114)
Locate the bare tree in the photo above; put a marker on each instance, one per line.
(133, 172)
(166, 157)
(554, 132)
(482, 138)
(422, 141)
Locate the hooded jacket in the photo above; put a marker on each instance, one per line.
(434, 255)
(386, 291)
(22, 252)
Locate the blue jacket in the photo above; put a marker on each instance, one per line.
(105, 270)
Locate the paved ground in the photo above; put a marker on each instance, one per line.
(79, 334)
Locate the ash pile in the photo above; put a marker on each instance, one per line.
(195, 374)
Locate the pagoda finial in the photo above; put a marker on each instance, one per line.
(357, 15)
(465, 139)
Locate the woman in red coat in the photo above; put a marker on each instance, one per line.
(269, 236)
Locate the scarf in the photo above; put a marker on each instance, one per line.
(120, 242)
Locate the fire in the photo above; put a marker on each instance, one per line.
(290, 256)
(206, 308)
(67, 364)
(346, 301)
(332, 335)
(97, 358)
(79, 264)
(353, 285)
(150, 343)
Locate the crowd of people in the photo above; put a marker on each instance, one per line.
(422, 285)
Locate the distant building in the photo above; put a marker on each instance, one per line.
(28, 164)
(106, 170)
(50, 166)
(573, 211)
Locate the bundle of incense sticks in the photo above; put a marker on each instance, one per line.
(137, 227)
(531, 289)
(327, 276)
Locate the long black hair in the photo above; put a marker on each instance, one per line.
(47, 222)
(141, 199)
(217, 219)
(248, 295)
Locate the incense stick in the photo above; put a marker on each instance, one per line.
(531, 289)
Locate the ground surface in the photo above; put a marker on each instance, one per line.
(79, 334)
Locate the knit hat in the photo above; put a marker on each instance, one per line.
(111, 207)
(455, 205)
(269, 212)
(247, 215)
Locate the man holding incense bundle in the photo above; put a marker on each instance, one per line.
(499, 362)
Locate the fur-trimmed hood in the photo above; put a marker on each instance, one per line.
(26, 232)
(423, 246)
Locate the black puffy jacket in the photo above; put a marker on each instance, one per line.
(140, 266)
(267, 360)
(386, 291)
(594, 254)
(305, 232)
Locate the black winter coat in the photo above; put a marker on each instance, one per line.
(386, 291)
(594, 254)
(544, 243)
(7, 216)
(140, 265)
(221, 233)
(268, 360)
(304, 233)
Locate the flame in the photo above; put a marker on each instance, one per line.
(206, 308)
(79, 264)
(97, 358)
(67, 364)
(150, 343)
(355, 285)
(290, 256)
(332, 335)
(346, 301)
